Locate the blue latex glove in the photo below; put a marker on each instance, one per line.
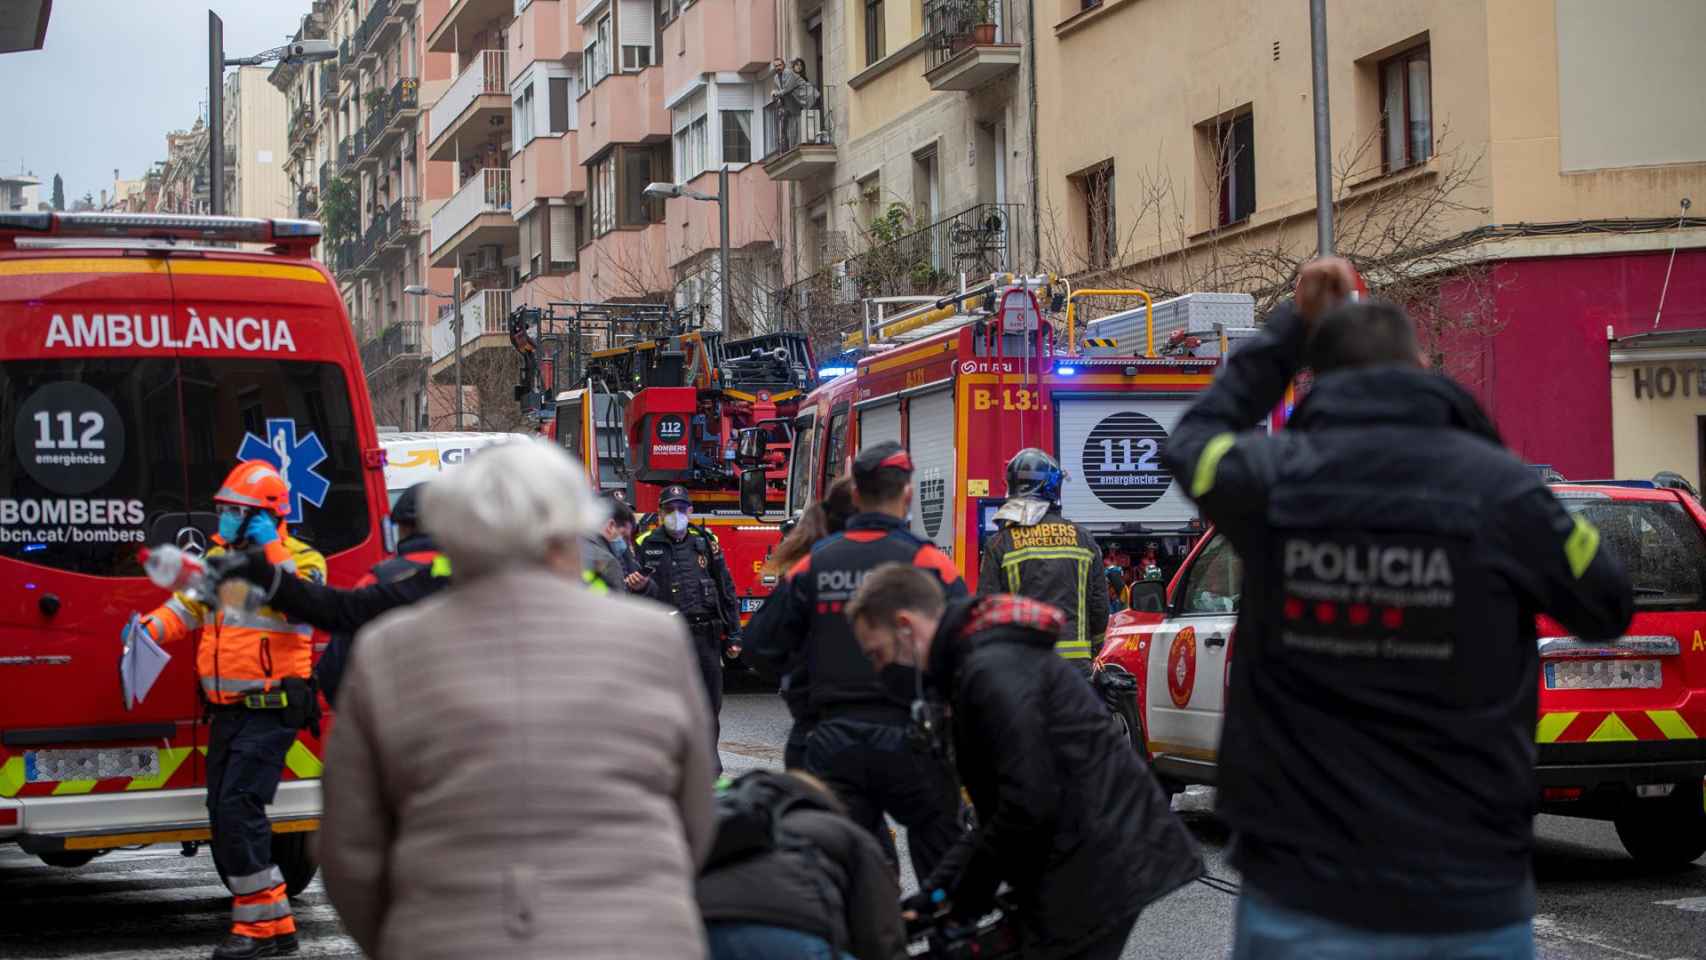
(261, 529)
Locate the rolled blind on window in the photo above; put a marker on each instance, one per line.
(559, 87)
(733, 96)
(635, 23)
(563, 239)
(527, 232)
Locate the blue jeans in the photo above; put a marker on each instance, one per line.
(758, 941)
(1268, 931)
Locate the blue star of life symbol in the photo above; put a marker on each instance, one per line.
(295, 460)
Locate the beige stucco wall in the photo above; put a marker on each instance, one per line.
(1172, 65)
(263, 184)
(1654, 433)
(1614, 116)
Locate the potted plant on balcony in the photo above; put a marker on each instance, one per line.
(983, 22)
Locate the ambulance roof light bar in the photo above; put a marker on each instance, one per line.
(290, 237)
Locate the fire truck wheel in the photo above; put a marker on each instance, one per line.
(67, 858)
(293, 854)
(1665, 833)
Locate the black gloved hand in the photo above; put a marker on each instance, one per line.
(250, 565)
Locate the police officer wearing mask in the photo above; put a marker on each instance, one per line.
(682, 566)
(1038, 554)
(861, 745)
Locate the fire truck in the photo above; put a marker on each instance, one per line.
(967, 380)
(657, 399)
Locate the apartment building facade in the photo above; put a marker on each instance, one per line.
(1529, 155)
(917, 169)
(356, 155)
(559, 115)
(255, 181)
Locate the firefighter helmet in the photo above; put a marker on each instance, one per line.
(256, 484)
(1033, 473)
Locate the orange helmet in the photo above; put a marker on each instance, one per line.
(258, 484)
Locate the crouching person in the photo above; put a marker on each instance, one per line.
(790, 877)
(1068, 818)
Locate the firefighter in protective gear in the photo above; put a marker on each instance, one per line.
(683, 566)
(254, 671)
(1037, 553)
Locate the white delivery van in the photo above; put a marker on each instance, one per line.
(412, 458)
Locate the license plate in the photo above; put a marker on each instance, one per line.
(751, 604)
(48, 766)
(1607, 674)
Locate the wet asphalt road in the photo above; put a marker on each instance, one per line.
(154, 904)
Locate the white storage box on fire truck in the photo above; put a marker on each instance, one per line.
(1202, 314)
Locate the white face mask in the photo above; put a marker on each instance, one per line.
(675, 522)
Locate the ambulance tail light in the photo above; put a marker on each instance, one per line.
(290, 237)
(1561, 794)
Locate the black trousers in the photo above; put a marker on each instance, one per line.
(245, 760)
(707, 645)
(874, 770)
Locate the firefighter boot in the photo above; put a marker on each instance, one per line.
(239, 947)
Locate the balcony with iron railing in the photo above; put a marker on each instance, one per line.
(369, 33)
(399, 109)
(343, 53)
(404, 218)
(344, 257)
(798, 143)
(346, 154)
(325, 175)
(328, 78)
(977, 241)
(484, 313)
(397, 344)
(301, 124)
(477, 214)
(462, 119)
(966, 47)
(378, 117)
(307, 204)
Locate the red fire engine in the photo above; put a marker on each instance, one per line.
(968, 380)
(658, 401)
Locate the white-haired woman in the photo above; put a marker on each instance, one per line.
(519, 766)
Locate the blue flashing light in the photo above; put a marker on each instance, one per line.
(1066, 371)
(34, 547)
(829, 373)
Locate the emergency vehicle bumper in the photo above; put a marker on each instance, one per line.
(106, 820)
(1601, 779)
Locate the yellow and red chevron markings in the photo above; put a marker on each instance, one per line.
(303, 762)
(1610, 726)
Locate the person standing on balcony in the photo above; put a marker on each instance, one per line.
(796, 95)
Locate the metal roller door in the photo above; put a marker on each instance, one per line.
(1110, 447)
(878, 423)
(930, 422)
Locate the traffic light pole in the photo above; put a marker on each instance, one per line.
(215, 114)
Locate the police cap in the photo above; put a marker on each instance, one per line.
(407, 508)
(887, 455)
(675, 493)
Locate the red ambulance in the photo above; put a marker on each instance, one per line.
(141, 357)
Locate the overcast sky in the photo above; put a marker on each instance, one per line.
(114, 77)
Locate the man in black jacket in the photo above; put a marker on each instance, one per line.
(1037, 553)
(1377, 759)
(1068, 817)
(859, 745)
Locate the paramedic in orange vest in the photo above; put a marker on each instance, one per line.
(254, 672)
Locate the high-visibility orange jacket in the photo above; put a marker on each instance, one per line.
(251, 653)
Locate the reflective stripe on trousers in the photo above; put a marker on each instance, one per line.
(262, 914)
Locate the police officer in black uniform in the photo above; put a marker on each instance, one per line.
(682, 566)
(861, 745)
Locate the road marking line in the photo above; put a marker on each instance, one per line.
(1691, 904)
(1547, 927)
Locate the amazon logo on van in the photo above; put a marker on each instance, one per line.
(155, 331)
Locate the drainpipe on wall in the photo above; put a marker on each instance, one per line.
(1036, 212)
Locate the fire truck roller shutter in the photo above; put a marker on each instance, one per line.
(1110, 448)
(879, 422)
(930, 424)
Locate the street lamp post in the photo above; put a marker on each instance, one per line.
(1323, 129)
(299, 51)
(455, 297)
(721, 199)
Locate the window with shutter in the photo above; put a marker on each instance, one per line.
(635, 25)
(527, 232)
(559, 96)
(562, 237)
